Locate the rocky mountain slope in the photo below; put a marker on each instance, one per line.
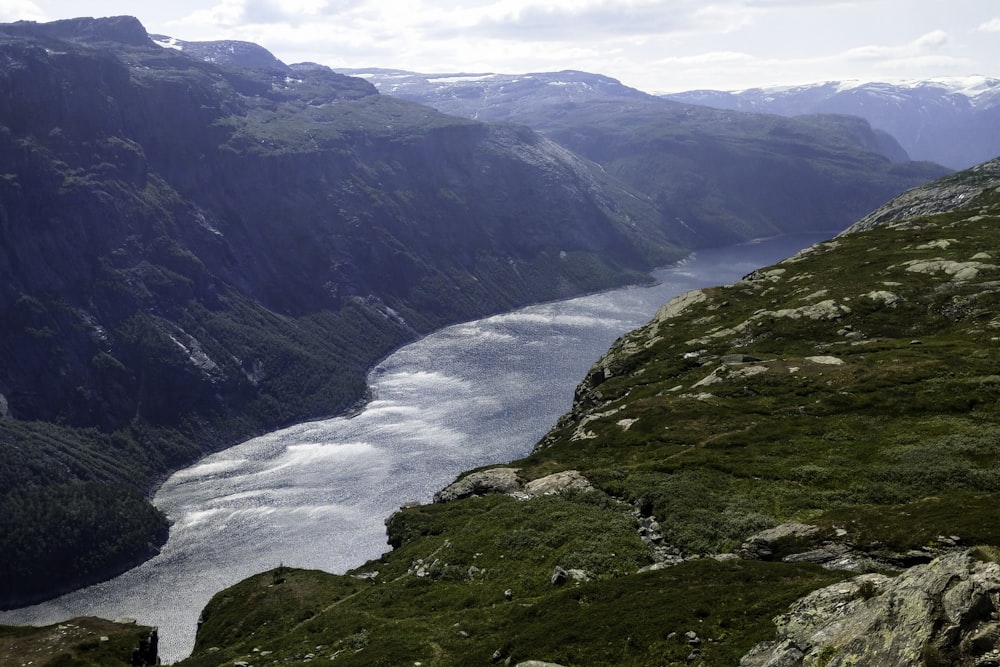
(193, 252)
(814, 444)
(951, 121)
(713, 175)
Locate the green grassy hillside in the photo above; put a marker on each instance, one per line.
(853, 388)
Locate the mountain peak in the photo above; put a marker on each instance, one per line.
(233, 53)
(960, 110)
(88, 30)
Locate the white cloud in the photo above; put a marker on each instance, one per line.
(924, 44)
(990, 26)
(225, 14)
(650, 44)
(573, 21)
(933, 40)
(20, 10)
(259, 12)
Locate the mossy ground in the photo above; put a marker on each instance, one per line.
(79, 642)
(289, 617)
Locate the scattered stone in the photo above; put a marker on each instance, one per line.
(884, 296)
(761, 545)
(679, 304)
(824, 310)
(726, 374)
(559, 576)
(738, 359)
(940, 244)
(828, 553)
(826, 360)
(819, 294)
(959, 271)
(626, 424)
(557, 483)
(508, 594)
(481, 483)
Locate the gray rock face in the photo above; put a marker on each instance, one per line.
(941, 613)
(761, 546)
(494, 480)
(504, 480)
(557, 483)
(943, 195)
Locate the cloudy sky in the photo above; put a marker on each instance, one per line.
(654, 45)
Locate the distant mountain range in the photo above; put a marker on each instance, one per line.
(712, 174)
(952, 121)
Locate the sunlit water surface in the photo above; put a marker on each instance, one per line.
(316, 495)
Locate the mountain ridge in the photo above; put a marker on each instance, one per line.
(709, 173)
(947, 120)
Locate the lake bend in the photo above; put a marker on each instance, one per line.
(316, 495)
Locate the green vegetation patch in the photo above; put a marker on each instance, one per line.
(78, 642)
(295, 616)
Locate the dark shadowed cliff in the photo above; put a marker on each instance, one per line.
(195, 252)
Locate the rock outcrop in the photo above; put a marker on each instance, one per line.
(480, 483)
(941, 613)
(505, 480)
(946, 194)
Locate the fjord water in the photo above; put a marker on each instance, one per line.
(316, 495)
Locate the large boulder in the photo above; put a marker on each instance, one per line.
(480, 483)
(941, 613)
(505, 480)
(762, 545)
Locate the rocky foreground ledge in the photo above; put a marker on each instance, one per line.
(941, 613)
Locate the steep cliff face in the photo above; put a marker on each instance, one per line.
(193, 252)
